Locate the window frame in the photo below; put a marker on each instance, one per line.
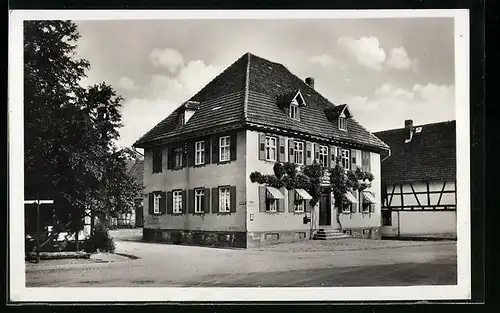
(293, 111)
(225, 148)
(271, 205)
(156, 203)
(299, 203)
(181, 119)
(345, 157)
(268, 148)
(297, 151)
(323, 155)
(342, 123)
(199, 195)
(178, 156)
(346, 207)
(176, 202)
(199, 152)
(364, 205)
(225, 207)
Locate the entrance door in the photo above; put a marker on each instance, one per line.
(325, 212)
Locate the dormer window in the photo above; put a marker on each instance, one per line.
(294, 110)
(180, 120)
(342, 123)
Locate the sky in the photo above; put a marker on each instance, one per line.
(386, 70)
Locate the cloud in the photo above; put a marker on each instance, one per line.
(323, 60)
(127, 83)
(423, 103)
(171, 59)
(366, 51)
(398, 59)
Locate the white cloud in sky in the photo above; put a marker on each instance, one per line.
(398, 59)
(165, 93)
(366, 51)
(171, 59)
(422, 103)
(323, 60)
(127, 83)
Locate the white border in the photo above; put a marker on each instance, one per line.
(18, 291)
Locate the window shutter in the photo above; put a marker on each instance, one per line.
(184, 200)
(206, 201)
(316, 152)
(291, 146)
(190, 199)
(233, 144)
(163, 202)
(262, 146)
(372, 205)
(215, 200)
(281, 202)
(291, 200)
(207, 151)
(308, 153)
(170, 202)
(190, 153)
(233, 199)
(282, 150)
(170, 158)
(307, 206)
(151, 203)
(215, 149)
(184, 147)
(262, 199)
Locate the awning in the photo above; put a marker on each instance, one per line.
(369, 197)
(350, 197)
(273, 193)
(302, 194)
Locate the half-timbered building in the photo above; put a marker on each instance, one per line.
(419, 181)
(255, 113)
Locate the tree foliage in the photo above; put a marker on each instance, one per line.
(70, 130)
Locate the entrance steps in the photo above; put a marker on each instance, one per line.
(329, 234)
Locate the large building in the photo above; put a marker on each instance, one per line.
(255, 113)
(419, 181)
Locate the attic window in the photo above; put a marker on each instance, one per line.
(342, 122)
(294, 110)
(299, 100)
(180, 120)
(418, 130)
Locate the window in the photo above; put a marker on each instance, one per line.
(300, 205)
(294, 111)
(177, 199)
(386, 218)
(323, 155)
(157, 160)
(199, 199)
(342, 123)
(270, 148)
(156, 204)
(199, 153)
(181, 119)
(271, 205)
(224, 199)
(224, 153)
(178, 157)
(345, 159)
(346, 206)
(299, 152)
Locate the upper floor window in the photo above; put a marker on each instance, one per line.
(323, 155)
(224, 199)
(177, 201)
(178, 155)
(345, 159)
(294, 111)
(270, 148)
(157, 160)
(199, 152)
(299, 152)
(224, 148)
(156, 203)
(342, 123)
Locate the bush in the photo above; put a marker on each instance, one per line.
(100, 240)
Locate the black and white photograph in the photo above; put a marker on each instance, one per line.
(229, 156)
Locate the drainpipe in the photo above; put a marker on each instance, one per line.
(388, 150)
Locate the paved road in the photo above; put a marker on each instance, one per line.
(171, 265)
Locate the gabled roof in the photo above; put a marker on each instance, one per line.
(429, 156)
(247, 94)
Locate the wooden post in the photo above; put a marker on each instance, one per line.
(37, 231)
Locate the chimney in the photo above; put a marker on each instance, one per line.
(409, 130)
(310, 82)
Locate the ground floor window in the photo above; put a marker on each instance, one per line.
(386, 218)
(345, 207)
(224, 199)
(199, 199)
(300, 205)
(177, 201)
(271, 205)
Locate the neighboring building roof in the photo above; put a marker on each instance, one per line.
(429, 156)
(247, 93)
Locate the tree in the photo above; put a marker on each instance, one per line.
(70, 130)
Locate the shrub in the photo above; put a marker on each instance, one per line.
(100, 240)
